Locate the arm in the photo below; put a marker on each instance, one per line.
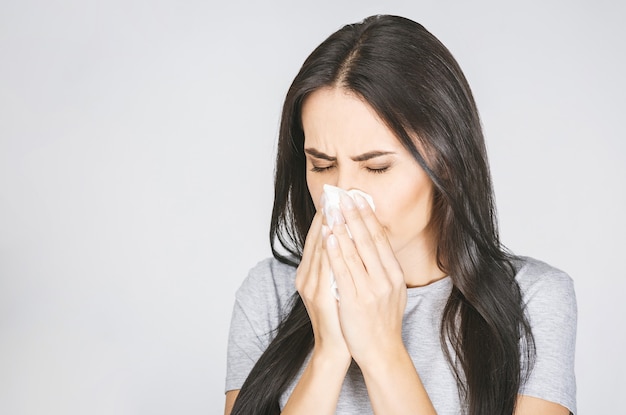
(395, 387)
(317, 391)
(230, 401)
(373, 299)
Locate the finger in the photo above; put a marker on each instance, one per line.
(308, 268)
(345, 283)
(364, 245)
(313, 235)
(324, 283)
(377, 239)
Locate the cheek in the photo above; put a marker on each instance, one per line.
(315, 190)
(385, 208)
(402, 212)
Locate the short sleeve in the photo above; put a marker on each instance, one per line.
(260, 304)
(551, 308)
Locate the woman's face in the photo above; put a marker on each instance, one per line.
(347, 145)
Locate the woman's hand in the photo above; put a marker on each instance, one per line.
(373, 296)
(370, 283)
(318, 389)
(313, 284)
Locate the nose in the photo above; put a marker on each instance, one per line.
(345, 180)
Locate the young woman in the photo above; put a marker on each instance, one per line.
(434, 316)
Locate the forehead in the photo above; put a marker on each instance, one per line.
(338, 118)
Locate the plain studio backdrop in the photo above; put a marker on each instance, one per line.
(137, 141)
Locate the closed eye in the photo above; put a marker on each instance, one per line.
(377, 170)
(321, 169)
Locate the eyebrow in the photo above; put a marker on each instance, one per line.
(370, 155)
(318, 154)
(361, 157)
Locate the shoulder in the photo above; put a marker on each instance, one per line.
(261, 301)
(269, 281)
(548, 295)
(549, 300)
(539, 280)
(550, 304)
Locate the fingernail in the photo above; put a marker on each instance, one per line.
(331, 242)
(329, 217)
(336, 217)
(360, 201)
(346, 201)
(325, 231)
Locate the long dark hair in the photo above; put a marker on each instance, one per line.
(417, 88)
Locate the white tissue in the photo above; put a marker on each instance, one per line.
(332, 196)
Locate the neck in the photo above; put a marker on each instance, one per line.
(419, 264)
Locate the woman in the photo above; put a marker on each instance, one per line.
(434, 316)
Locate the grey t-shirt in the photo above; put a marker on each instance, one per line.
(265, 297)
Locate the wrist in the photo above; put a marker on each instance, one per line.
(331, 360)
(385, 360)
(393, 384)
(319, 387)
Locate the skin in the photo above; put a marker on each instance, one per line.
(367, 156)
(348, 146)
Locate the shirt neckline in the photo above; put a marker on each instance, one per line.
(437, 286)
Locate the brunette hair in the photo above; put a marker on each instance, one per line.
(417, 88)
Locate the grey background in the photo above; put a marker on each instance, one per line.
(136, 155)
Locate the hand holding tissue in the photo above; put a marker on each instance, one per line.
(332, 197)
